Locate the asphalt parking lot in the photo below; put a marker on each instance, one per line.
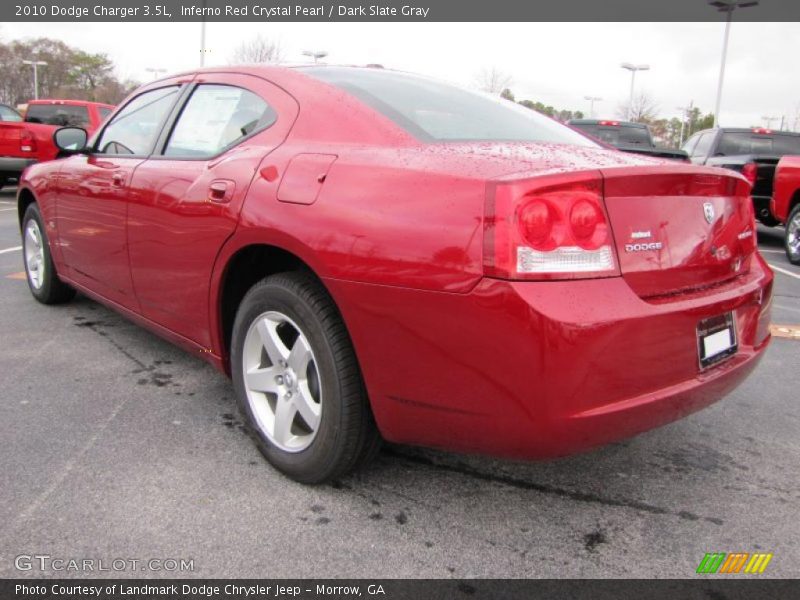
(115, 444)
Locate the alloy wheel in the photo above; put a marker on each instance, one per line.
(34, 254)
(282, 382)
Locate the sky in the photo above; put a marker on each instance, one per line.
(555, 63)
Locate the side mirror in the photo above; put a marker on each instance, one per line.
(70, 140)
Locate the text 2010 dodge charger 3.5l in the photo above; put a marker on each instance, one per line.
(371, 254)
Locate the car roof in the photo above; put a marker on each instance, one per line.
(599, 121)
(746, 130)
(51, 101)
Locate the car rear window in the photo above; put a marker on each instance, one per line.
(63, 115)
(745, 142)
(616, 135)
(433, 111)
(104, 112)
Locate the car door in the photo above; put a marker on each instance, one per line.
(190, 192)
(93, 193)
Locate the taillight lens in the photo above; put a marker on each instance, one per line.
(750, 170)
(548, 228)
(27, 143)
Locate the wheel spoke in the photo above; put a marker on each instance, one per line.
(284, 417)
(300, 356)
(32, 236)
(308, 409)
(276, 349)
(262, 380)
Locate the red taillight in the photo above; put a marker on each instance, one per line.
(27, 143)
(750, 170)
(548, 228)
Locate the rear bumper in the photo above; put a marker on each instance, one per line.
(543, 369)
(13, 167)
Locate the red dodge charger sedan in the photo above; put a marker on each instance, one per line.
(376, 255)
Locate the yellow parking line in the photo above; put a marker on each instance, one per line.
(791, 332)
(20, 275)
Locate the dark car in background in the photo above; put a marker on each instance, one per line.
(626, 136)
(754, 152)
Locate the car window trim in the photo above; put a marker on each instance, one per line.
(166, 133)
(181, 87)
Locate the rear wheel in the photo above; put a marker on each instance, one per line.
(792, 239)
(43, 280)
(297, 381)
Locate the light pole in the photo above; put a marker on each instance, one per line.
(726, 6)
(155, 71)
(633, 68)
(769, 120)
(686, 115)
(36, 64)
(592, 100)
(203, 36)
(315, 54)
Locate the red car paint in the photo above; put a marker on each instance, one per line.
(411, 240)
(786, 194)
(24, 143)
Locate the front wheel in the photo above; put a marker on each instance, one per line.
(792, 239)
(297, 380)
(43, 281)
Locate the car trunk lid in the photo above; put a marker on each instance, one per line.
(678, 229)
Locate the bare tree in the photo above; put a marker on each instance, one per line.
(258, 50)
(644, 109)
(493, 80)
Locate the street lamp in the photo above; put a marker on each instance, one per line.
(686, 115)
(155, 71)
(769, 120)
(316, 54)
(726, 6)
(36, 64)
(592, 100)
(633, 68)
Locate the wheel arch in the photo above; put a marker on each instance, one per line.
(793, 201)
(238, 268)
(25, 198)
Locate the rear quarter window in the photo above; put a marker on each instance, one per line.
(433, 111)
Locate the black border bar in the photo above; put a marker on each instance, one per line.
(261, 11)
(703, 587)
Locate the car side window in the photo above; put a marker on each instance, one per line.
(135, 128)
(216, 117)
(9, 114)
(688, 147)
(703, 145)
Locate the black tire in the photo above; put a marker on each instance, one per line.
(793, 224)
(346, 435)
(52, 290)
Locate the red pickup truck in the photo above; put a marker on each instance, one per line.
(24, 141)
(786, 203)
